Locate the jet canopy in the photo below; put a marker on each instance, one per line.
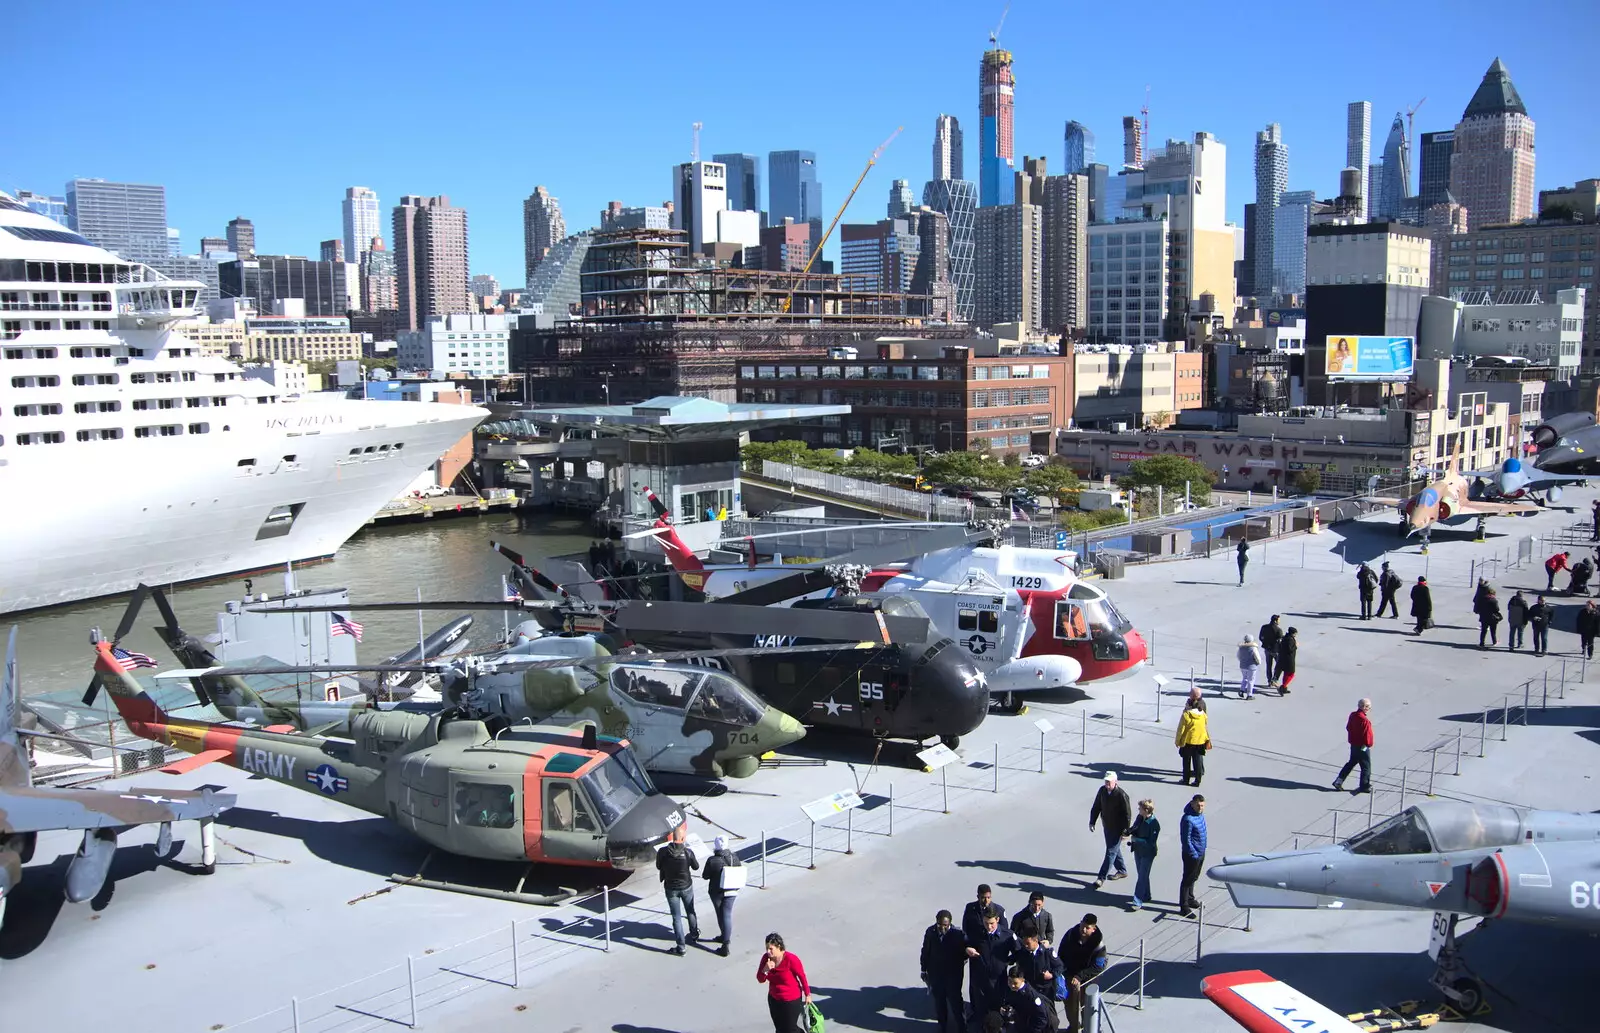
(1441, 827)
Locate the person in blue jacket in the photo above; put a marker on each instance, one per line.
(1192, 836)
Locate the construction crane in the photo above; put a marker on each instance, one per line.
(1410, 112)
(694, 152)
(994, 37)
(1144, 127)
(817, 252)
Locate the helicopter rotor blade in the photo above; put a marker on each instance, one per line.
(129, 615)
(816, 578)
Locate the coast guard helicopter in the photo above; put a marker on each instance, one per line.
(1022, 616)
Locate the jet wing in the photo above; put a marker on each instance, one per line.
(1473, 506)
(1262, 1004)
(43, 808)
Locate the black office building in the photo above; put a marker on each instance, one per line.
(1434, 185)
(270, 278)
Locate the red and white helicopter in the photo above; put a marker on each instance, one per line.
(1023, 615)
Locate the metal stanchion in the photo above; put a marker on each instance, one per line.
(294, 1010)
(516, 972)
(849, 831)
(1336, 825)
(1199, 932)
(1041, 751)
(1140, 1005)
(1248, 915)
(944, 784)
(411, 990)
(605, 904)
(813, 865)
(1433, 756)
(1483, 731)
(1458, 751)
(1505, 716)
(1403, 773)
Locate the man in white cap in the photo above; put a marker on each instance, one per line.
(724, 874)
(1112, 806)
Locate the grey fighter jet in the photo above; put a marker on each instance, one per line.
(1455, 859)
(27, 810)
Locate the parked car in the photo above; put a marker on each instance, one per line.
(1034, 459)
(956, 491)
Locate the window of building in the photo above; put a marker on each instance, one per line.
(999, 372)
(980, 399)
(980, 373)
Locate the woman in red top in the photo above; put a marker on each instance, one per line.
(787, 988)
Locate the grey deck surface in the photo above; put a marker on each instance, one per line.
(280, 922)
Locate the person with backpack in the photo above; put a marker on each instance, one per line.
(1389, 585)
(724, 875)
(1271, 634)
(1366, 588)
(1516, 621)
(675, 863)
(1489, 617)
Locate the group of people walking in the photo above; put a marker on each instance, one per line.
(1277, 650)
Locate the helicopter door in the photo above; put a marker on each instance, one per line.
(570, 829)
(978, 629)
(880, 694)
(485, 815)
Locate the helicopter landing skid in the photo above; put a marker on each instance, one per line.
(518, 895)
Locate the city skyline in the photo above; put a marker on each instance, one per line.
(295, 207)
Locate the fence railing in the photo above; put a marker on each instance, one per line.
(916, 504)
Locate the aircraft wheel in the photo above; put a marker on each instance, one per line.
(950, 741)
(1468, 996)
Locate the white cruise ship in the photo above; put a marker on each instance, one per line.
(127, 456)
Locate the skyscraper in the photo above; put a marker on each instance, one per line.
(379, 291)
(880, 256)
(1080, 148)
(1132, 143)
(1396, 185)
(793, 190)
(331, 250)
(1491, 169)
(1433, 180)
(699, 192)
(484, 286)
(1009, 284)
(1272, 179)
(744, 181)
(542, 226)
(241, 237)
(957, 201)
(947, 158)
(1291, 220)
(128, 218)
(996, 97)
(363, 220)
(1066, 252)
(901, 200)
(430, 257)
(1358, 141)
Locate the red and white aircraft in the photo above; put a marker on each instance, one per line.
(1023, 615)
(1262, 1004)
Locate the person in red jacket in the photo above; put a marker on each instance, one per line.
(1555, 565)
(788, 991)
(1358, 730)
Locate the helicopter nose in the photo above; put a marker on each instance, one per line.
(958, 696)
(1138, 651)
(777, 729)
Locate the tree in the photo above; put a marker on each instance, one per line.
(1160, 419)
(872, 465)
(1308, 482)
(1170, 473)
(965, 468)
(787, 451)
(1077, 520)
(1053, 479)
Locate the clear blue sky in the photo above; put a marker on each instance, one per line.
(271, 110)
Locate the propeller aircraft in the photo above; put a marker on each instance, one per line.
(102, 814)
(1456, 859)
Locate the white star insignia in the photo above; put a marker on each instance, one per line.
(153, 798)
(326, 779)
(833, 708)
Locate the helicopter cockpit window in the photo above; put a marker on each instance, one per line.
(483, 806)
(986, 621)
(564, 808)
(1071, 623)
(723, 699)
(613, 790)
(1402, 834)
(662, 687)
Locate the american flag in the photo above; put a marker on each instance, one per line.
(130, 661)
(343, 625)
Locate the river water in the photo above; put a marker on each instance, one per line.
(447, 558)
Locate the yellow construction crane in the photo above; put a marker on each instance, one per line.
(817, 252)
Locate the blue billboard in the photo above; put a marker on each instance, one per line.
(1370, 358)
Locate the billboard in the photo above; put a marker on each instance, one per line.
(1370, 358)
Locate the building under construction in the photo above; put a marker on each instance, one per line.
(658, 322)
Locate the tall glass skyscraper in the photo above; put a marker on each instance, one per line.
(362, 221)
(1433, 184)
(744, 181)
(957, 200)
(793, 190)
(1080, 149)
(1396, 184)
(1272, 179)
(996, 97)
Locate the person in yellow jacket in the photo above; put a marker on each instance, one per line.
(1193, 740)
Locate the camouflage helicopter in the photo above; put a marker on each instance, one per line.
(681, 719)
